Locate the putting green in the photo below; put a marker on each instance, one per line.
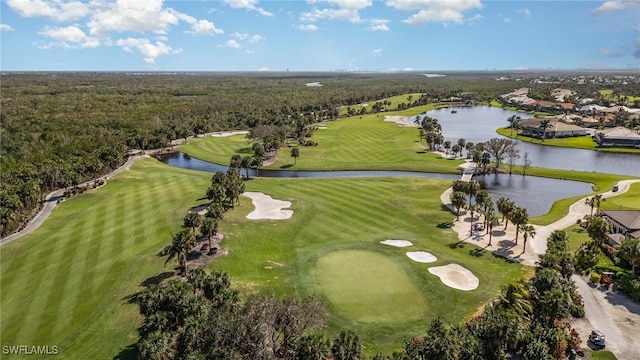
(365, 286)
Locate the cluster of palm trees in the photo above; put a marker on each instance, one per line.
(467, 194)
(223, 194)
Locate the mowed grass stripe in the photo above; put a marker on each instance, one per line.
(355, 214)
(76, 299)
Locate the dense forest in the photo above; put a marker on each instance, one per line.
(60, 129)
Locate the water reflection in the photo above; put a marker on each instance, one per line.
(535, 193)
(479, 123)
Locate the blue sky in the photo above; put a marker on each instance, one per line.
(317, 35)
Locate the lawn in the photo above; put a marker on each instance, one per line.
(67, 284)
(331, 247)
(628, 201)
(366, 143)
(578, 142)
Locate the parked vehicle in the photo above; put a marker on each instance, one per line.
(597, 339)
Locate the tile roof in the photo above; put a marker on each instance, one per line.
(627, 218)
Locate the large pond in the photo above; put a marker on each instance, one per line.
(534, 193)
(479, 124)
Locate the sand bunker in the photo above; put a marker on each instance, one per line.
(397, 243)
(268, 207)
(422, 256)
(230, 133)
(456, 276)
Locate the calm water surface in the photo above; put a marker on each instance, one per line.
(479, 124)
(535, 193)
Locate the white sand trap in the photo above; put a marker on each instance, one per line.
(456, 276)
(422, 256)
(268, 207)
(230, 133)
(397, 243)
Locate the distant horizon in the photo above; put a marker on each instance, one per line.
(318, 35)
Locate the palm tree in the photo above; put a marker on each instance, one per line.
(246, 164)
(471, 189)
(513, 119)
(597, 200)
(179, 248)
(519, 217)
(505, 206)
(527, 232)
(458, 201)
(492, 220)
(461, 143)
(209, 229)
(544, 125)
(516, 297)
(347, 346)
(447, 146)
(192, 221)
(295, 154)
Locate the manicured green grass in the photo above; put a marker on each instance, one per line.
(395, 101)
(366, 143)
(369, 287)
(68, 283)
(335, 217)
(578, 142)
(602, 355)
(627, 201)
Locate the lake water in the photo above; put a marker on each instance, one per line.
(534, 193)
(479, 124)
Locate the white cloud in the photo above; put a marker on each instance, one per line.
(307, 27)
(378, 25)
(240, 36)
(256, 39)
(376, 52)
(247, 4)
(69, 37)
(148, 50)
(349, 4)
(526, 12)
(133, 15)
(205, 27)
(623, 50)
(615, 5)
(233, 44)
(5, 27)
(507, 20)
(97, 21)
(264, 68)
(435, 10)
(351, 15)
(56, 10)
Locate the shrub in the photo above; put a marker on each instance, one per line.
(594, 277)
(631, 286)
(577, 311)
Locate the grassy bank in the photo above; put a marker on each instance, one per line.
(357, 143)
(577, 142)
(338, 224)
(68, 283)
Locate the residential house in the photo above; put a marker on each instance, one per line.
(556, 129)
(623, 223)
(618, 136)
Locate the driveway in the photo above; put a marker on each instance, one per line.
(613, 313)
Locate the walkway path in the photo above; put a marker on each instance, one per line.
(51, 200)
(503, 239)
(613, 313)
